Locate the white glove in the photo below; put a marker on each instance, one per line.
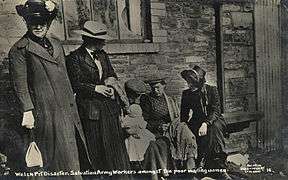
(203, 129)
(28, 120)
(104, 90)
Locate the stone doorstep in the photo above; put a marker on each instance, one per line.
(239, 117)
(238, 121)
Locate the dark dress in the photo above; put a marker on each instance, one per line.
(205, 107)
(156, 113)
(173, 147)
(99, 114)
(41, 84)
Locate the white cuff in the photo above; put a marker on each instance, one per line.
(97, 88)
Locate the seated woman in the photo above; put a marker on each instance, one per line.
(206, 122)
(176, 144)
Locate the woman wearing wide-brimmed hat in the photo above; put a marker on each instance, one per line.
(206, 122)
(41, 83)
(95, 83)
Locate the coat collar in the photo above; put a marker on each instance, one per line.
(87, 58)
(35, 48)
(90, 61)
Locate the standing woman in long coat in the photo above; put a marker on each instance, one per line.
(90, 72)
(41, 83)
(207, 124)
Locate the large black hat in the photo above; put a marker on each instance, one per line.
(196, 74)
(33, 10)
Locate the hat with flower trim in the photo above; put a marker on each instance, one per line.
(41, 10)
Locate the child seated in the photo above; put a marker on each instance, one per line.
(139, 139)
(135, 125)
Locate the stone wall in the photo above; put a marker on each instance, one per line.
(238, 55)
(239, 67)
(183, 36)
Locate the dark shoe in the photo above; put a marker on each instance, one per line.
(224, 176)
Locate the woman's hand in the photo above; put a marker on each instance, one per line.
(28, 120)
(203, 130)
(104, 90)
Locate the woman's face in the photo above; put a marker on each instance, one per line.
(93, 43)
(192, 81)
(38, 29)
(192, 84)
(158, 89)
(100, 44)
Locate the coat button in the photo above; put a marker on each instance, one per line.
(71, 104)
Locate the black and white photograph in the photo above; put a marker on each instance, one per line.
(144, 89)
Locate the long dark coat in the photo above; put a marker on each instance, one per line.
(99, 114)
(42, 85)
(205, 107)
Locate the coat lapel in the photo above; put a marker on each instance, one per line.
(88, 59)
(102, 60)
(56, 48)
(35, 48)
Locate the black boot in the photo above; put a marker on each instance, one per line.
(219, 162)
(224, 176)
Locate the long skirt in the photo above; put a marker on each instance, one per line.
(211, 146)
(158, 156)
(105, 140)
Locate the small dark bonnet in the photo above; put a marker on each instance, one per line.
(137, 87)
(196, 74)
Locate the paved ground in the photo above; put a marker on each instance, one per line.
(259, 166)
(262, 166)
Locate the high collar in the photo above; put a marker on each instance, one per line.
(40, 51)
(35, 38)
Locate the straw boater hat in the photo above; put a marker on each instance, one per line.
(41, 10)
(94, 29)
